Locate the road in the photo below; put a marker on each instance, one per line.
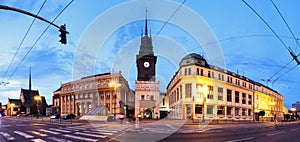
(24, 130)
(290, 133)
(12, 129)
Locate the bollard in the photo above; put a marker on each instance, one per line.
(137, 123)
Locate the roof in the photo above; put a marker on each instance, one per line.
(15, 101)
(29, 94)
(193, 55)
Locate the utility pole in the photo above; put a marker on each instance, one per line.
(62, 28)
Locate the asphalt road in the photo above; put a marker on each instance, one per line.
(164, 131)
(286, 133)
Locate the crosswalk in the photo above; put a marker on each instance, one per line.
(63, 134)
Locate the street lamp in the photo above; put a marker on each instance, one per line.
(114, 84)
(11, 108)
(204, 90)
(293, 110)
(38, 99)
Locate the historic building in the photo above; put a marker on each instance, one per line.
(202, 91)
(100, 95)
(147, 91)
(30, 102)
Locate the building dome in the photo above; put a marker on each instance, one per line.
(193, 59)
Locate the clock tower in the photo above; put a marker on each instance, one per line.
(147, 93)
(146, 60)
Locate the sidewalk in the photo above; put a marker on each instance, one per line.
(249, 124)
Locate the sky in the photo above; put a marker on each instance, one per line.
(105, 37)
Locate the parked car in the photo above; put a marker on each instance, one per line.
(69, 116)
(55, 116)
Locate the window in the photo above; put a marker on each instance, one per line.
(143, 97)
(243, 98)
(152, 97)
(219, 76)
(221, 110)
(229, 98)
(197, 71)
(237, 97)
(222, 77)
(163, 101)
(220, 93)
(198, 109)
(237, 111)
(249, 99)
(229, 109)
(243, 112)
(249, 112)
(210, 92)
(185, 71)
(201, 72)
(190, 71)
(188, 90)
(199, 88)
(210, 109)
(208, 74)
(180, 88)
(213, 74)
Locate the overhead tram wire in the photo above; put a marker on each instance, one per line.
(281, 69)
(283, 74)
(22, 41)
(265, 22)
(169, 19)
(289, 49)
(287, 25)
(40, 38)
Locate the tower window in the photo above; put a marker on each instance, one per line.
(143, 97)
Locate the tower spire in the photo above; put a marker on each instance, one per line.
(146, 26)
(29, 77)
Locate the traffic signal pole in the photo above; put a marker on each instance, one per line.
(62, 28)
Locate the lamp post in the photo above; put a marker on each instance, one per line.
(204, 90)
(11, 108)
(38, 99)
(114, 85)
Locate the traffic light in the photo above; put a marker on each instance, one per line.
(125, 107)
(63, 34)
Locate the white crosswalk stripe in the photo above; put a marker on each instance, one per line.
(58, 139)
(80, 138)
(65, 134)
(23, 134)
(48, 131)
(7, 136)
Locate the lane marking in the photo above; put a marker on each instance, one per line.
(294, 129)
(7, 136)
(51, 132)
(38, 140)
(60, 130)
(24, 134)
(58, 139)
(38, 133)
(271, 134)
(243, 139)
(170, 126)
(102, 133)
(80, 138)
(90, 135)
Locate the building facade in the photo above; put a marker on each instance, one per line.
(102, 94)
(202, 91)
(147, 91)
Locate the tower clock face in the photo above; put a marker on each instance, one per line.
(146, 64)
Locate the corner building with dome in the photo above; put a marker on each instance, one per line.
(200, 91)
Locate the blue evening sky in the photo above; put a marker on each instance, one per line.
(246, 43)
